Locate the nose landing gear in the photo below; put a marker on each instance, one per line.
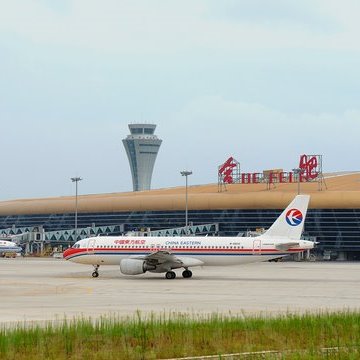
(95, 273)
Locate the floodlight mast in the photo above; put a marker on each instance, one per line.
(76, 180)
(186, 173)
(298, 172)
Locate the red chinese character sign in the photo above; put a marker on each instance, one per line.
(311, 167)
(229, 172)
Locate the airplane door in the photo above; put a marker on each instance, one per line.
(155, 247)
(91, 246)
(257, 247)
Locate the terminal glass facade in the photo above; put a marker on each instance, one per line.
(334, 229)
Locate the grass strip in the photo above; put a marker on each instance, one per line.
(178, 335)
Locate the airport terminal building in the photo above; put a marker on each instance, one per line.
(333, 217)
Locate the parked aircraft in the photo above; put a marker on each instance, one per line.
(8, 247)
(136, 255)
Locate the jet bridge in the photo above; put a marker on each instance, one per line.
(193, 230)
(34, 239)
(72, 235)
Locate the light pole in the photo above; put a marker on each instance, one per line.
(186, 174)
(76, 180)
(298, 172)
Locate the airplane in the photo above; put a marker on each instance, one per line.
(138, 254)
(8, 247)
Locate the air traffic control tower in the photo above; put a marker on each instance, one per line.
(142, 147)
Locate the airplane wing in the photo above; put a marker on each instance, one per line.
(287, 246)
(159, 257)
(166, 258)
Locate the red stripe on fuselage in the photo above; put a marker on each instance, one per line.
(73, 252)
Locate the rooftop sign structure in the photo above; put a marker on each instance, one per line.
(310, 169)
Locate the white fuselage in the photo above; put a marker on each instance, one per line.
(8, 246)
(207, 250)
(136, 255)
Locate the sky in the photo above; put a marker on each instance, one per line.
(263, 81)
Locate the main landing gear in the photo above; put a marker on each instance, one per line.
(171, 274)
(187, 274)
(95, 273)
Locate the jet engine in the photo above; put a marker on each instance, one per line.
(134, 266)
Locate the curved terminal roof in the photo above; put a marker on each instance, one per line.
(342, 192)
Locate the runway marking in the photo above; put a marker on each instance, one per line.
(262, 354)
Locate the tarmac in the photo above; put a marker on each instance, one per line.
(47, 289)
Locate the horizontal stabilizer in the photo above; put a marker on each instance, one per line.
(287, 246)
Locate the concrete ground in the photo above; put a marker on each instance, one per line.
(49, 289)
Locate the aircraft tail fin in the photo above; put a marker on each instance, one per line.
(290, 223)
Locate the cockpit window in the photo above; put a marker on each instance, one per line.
(76, 246)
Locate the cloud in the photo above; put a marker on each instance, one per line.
(162, 27)
(198, 137)
(273, 13)
(263, 81)
(213, 128)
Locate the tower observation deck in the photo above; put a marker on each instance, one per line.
(142, 147)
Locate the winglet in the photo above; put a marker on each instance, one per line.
(290, 223)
